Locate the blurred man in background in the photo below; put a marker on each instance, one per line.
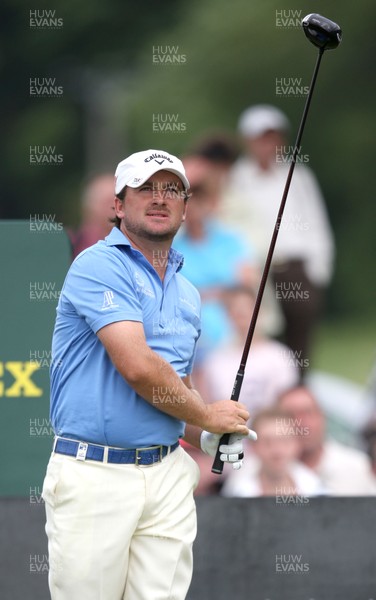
(369, 435)
(303, 257)
(97, 209)
(344, 471)
(272, 466)
(221, 149)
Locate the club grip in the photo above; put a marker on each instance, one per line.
(217, 467)
(218, 463)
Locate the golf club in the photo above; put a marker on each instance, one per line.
(325, 35)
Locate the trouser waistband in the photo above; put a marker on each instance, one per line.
(128, 456)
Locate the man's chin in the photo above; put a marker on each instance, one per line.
(155, 232)
(158, 236)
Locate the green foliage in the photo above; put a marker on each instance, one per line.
(95, 41)
(346, 347)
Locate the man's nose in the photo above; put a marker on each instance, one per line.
(159, 196)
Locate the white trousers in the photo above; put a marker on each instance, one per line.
(120, 532)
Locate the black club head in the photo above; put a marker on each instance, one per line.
(322, 32)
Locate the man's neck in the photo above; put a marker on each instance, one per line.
(155, 252)
(276, 484)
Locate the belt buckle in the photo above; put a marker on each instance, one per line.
(160, 453)
(138, 457)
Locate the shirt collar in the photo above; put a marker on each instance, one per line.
(117, 238)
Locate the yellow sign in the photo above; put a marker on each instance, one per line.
(23, 384)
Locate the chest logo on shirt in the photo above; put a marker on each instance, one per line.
(141, 286)
(108, 300)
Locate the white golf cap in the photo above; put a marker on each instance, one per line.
(140, 166)
(258, 119)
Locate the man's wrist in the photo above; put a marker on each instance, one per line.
(199, 413)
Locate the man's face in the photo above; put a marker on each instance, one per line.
(308, 418)
(240, 308)
(275, 449)
(203, 189)
(99, 202)
(201, 205)
(265, 147)
(155, 210)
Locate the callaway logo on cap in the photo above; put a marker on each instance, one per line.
(139, 167)
(158, 156)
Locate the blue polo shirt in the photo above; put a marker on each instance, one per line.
(109, 282)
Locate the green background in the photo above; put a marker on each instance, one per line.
(26, 327)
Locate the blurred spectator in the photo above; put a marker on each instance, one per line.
(271, 466)
(221, 149)
(370, 439)
(371, 392)
(271, 366)
(215, 258)
(97, 208)
(369, 433)
(303, 257)
(344, 471)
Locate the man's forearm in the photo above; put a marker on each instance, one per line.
(159, 384)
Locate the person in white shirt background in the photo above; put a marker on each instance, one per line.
(303, 259)
(343, 470)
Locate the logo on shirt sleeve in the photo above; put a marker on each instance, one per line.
(108, 300)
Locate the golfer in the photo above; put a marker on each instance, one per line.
(118, 491)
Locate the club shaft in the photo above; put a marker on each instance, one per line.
(218, 464)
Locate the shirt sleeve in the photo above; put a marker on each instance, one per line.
(100, 289)
(191, 363)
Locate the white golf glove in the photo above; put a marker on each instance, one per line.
(231, 452)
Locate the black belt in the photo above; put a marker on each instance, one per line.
(134, 456)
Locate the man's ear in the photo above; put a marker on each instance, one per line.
(119, 208)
